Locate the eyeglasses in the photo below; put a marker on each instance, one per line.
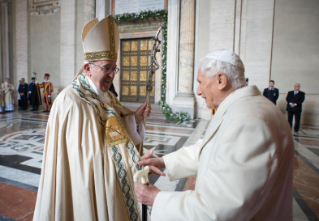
(107, 70)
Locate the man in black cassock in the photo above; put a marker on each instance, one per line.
(34, 95)
(23, 91)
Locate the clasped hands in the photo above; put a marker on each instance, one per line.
(292, 105)
(146, 193)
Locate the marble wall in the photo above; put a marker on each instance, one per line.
(275, 39)
(21, 41)
(44, 48)
(49, 41)
(296, 54)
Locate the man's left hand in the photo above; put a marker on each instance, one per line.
(146, 194)
(142, 112)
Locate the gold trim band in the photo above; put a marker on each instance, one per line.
(100, 55)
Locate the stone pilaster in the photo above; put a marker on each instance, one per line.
(185, 100)
(172, 49)
(103, 8)
(67, 47)
(21, 40)
(89, 10)
(4, 42)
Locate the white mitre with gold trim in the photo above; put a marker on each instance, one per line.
(100, 40)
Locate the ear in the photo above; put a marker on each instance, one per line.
(222, 81)
(87, 69)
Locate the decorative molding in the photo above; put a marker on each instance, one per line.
(148, 16)
(44, 7)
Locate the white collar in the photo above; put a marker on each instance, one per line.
(102, 95)
(228, 97)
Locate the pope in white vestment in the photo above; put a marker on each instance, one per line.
(244, 164)
(89, 153)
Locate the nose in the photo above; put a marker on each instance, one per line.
(112, 74)
(198, 91)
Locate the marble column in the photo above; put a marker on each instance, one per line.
(185, 100)
(172, 49)
(89, 10)
(4, 42)
(21, 39)
(103, 8)
(67, 47)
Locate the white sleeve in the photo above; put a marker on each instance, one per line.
(184, 162)
(136, 134)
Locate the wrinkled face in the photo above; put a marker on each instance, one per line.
(271, 84)
(296, 87)
(99, 76)
(208, 89)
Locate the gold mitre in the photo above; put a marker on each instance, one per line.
(100, 40)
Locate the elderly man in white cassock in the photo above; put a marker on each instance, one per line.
(89, 153)
(244, 164)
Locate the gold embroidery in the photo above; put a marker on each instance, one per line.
(100, 55)
(115, 132)
(111, 31)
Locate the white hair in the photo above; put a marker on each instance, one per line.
(235, 75)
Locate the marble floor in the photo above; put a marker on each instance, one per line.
(21, 147)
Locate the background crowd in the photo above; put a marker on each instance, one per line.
(27, 94)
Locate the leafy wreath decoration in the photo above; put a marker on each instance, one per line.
(161, 14)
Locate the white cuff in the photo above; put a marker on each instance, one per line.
(137, 136)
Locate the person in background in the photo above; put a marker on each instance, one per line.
(8, 90)
(271, 93)
(47, 90)
(244, 164)
(23, 91)
(247, 81)
(34, 95)
(19, 97)
(1, 100)
(294, 100)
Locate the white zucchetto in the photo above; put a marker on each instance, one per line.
(227, 56)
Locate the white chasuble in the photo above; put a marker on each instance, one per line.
(89, 160)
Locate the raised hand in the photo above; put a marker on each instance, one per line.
(142, 112)
(155, 164)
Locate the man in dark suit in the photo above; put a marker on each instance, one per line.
(271, 92)
(295, 99)
(23, 91)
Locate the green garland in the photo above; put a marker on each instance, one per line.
(161, 14)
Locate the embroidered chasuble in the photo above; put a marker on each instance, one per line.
(89, 159)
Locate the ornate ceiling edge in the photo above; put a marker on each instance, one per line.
(44, 7)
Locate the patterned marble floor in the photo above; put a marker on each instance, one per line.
(21, 147)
